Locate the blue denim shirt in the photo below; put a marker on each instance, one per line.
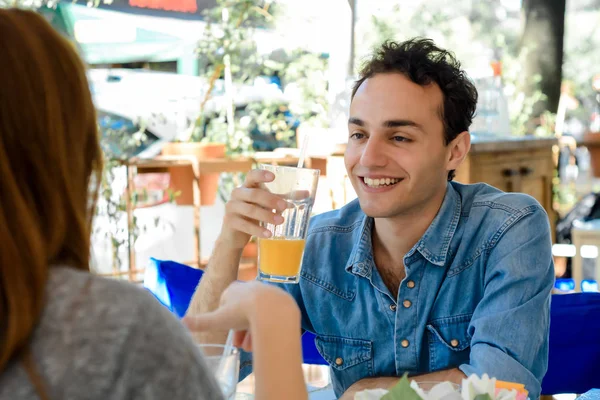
(476, 294)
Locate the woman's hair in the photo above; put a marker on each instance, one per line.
(50, 169)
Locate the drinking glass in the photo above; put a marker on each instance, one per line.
(280, 256)
(225, 363)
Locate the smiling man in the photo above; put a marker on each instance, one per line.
(420, 274)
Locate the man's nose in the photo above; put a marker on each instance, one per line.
(373, 154)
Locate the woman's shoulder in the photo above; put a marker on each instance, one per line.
(108, 325)
(79, 295)
(83, 301)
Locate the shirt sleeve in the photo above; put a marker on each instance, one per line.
(161, 360)
(510, 326)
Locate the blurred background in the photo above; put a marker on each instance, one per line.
(219, 85)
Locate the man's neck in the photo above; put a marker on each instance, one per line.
(394, 237)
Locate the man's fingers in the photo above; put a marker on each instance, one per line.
(247, 343)
(257, 176)
(248, 227)
(260, 197)
(239, 337)
(254, 212)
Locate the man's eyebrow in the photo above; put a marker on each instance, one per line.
(396, 123)
(356, 121)
(393, 123)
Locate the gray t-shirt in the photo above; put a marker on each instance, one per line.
(109, 340)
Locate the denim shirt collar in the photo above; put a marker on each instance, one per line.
(361, 258)
(433, 245)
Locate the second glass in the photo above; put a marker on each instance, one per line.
(280, 256)
(225, 366)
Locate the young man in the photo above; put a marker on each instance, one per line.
(420, 274)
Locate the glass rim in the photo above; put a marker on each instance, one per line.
(287, 167)
(234, 350)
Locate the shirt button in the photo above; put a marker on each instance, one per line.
(406, 303)
(393, 307)
(410, 284)
(454, 343)
(404, 343)
(339, 361)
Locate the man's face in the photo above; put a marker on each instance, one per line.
(396, 156)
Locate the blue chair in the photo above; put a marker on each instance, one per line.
(574, 344)
(173, 284)
(574, 328)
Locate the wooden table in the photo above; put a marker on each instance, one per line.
(209, 166)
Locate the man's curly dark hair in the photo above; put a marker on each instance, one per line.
(424, 63)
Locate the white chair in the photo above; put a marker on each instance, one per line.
(585, 234)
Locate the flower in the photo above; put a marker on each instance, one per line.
(472, 388)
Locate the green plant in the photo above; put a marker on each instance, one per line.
(231, 59)
(450, 25)
(520, 106)
(228, 50)
(118, 145)
(307, 72)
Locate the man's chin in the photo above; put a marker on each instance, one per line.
(376, 210)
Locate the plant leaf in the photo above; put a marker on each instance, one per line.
(483, 397)
(403, 391)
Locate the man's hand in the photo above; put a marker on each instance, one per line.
(452, 375)
(249, 206)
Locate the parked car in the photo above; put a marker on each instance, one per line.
(167, 104)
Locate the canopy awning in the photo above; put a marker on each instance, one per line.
(110, 37)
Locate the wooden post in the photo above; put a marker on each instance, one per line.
(197, 196)
(130, 170)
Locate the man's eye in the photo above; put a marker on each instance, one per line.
(357, 135)
(401, 139)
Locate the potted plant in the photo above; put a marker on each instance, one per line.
(111, 223)
(228, 53)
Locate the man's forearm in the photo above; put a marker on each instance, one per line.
(221, 271)
(452, 375)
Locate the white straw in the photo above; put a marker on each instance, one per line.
(303, 150)
(226, 350)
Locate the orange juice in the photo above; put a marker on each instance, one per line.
(280, 256)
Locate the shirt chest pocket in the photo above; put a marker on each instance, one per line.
(449, 342)
(350, 359)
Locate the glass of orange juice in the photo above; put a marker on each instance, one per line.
(280, 256)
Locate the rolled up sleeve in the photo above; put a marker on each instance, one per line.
(510, 326)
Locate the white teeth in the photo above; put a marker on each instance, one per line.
(380, 182)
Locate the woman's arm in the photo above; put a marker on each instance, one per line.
(267, 322)
(277, 353)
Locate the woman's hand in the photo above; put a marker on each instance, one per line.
(245, 307)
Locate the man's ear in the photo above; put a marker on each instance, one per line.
(458, 150)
